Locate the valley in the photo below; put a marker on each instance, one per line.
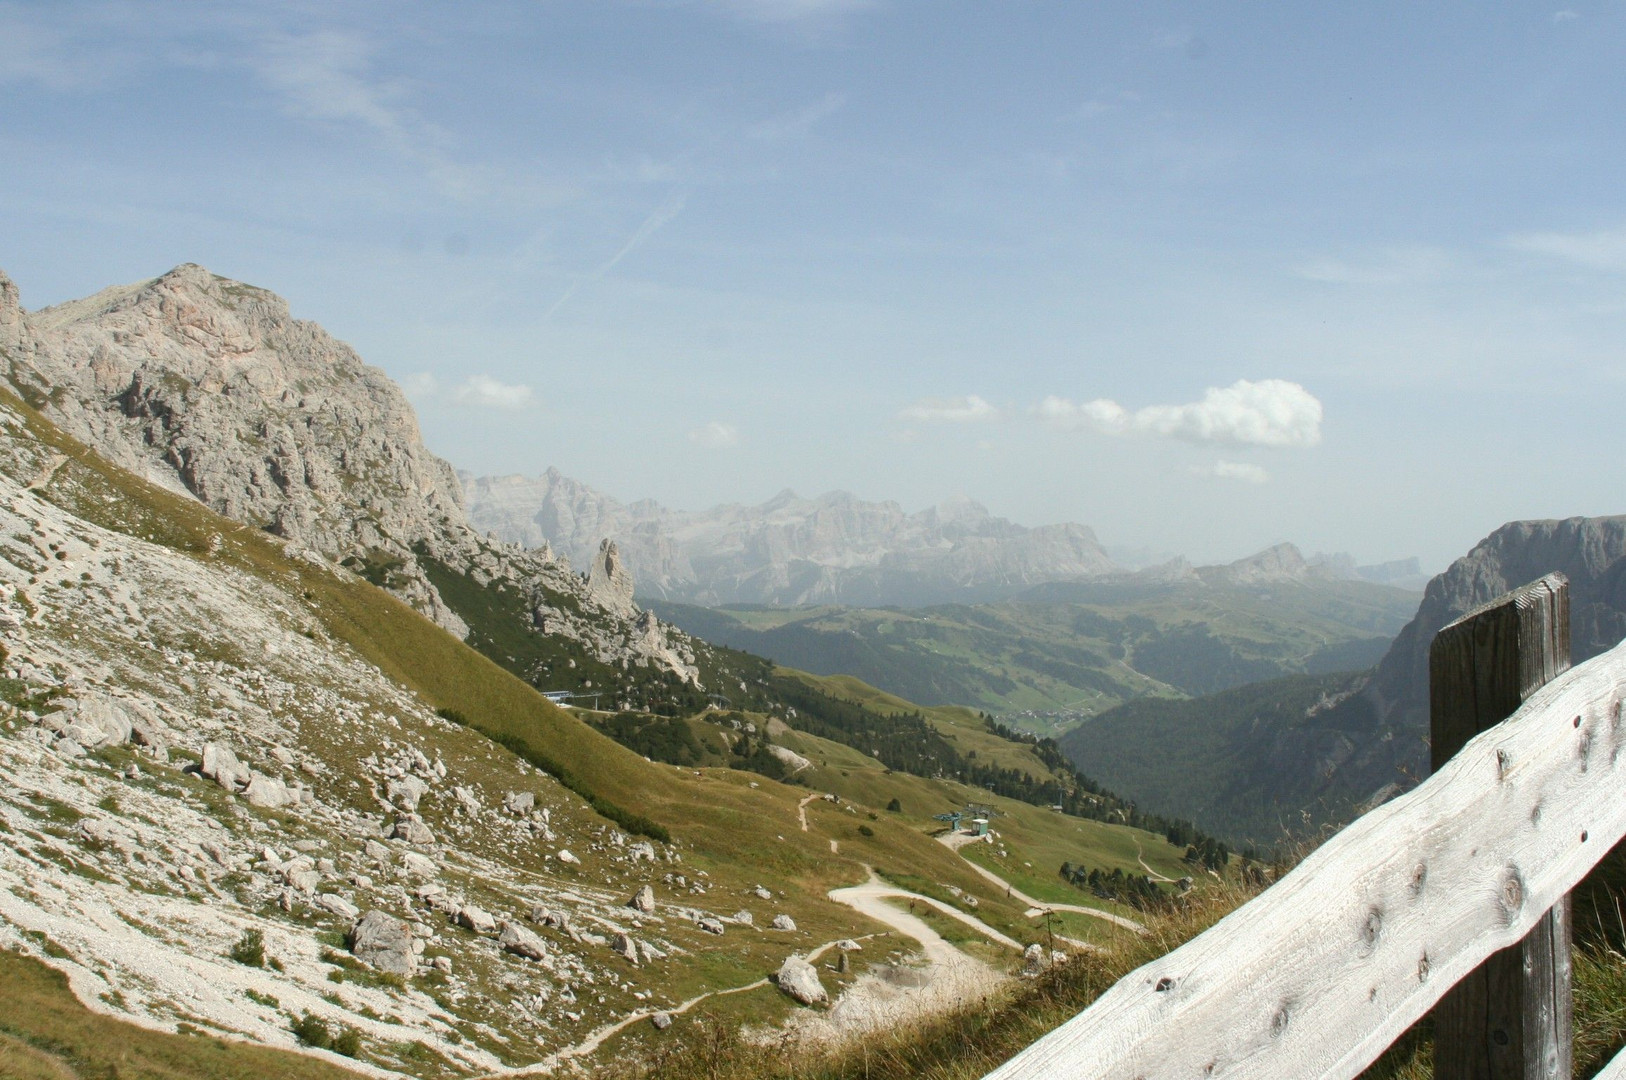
(1061, 653)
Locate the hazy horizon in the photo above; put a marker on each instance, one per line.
(1204, 280)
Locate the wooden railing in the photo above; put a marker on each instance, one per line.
(1454, 894)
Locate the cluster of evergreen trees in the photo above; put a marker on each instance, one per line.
(1139, 891)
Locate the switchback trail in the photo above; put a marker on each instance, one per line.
(1045, 905)
(870, 899)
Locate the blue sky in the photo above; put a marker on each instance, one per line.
(1205, 277)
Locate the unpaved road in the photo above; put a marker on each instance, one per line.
(870, 899)
(1043, 905)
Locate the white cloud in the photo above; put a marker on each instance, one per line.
(790, 11)
(1394, 266)
(1604, 249)
(715, 435)
(970, 409)
(487, 393)
(795, 124)
(1271, 412)
(420, 385)
(1236, 470)
(1565, 16)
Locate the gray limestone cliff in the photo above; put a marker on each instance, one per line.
(836, 548)
(1591, 552)
(211, 387)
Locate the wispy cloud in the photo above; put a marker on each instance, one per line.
(1236, 470)
(969, 409)
(715, 435)
(1392, 266)
(798, 122)
(1271, 412)
(651, 225)
(420, 385)
(790, 11)
(1604, 249)
(1565, 16)
(485, 392)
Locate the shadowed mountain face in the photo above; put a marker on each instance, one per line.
(835, 549)
(1295, 753)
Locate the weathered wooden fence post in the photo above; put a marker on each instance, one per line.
(1510, 1019)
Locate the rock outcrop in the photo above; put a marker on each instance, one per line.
(789, 550)
(384, 942)
(800, 980)
(211, 387)
(1591, 552)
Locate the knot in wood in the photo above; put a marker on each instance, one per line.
(1501, 764)
(1165, 983)
(1372, 927)
(1422, 969)
(1419, 875)
(1278, 1023)
(1513, 891)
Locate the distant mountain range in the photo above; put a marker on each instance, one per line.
(1293, 753)
(839, 549)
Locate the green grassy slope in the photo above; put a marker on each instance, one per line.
(738, 827)
(46, 1034)
(1061, 653)
(1250, 764)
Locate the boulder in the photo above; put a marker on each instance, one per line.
(761, 894)
(648, 953)
(623, 945)
(265, 792)
(849, 945)
(520, 941)
(661, 1020)
(101, 721)
(421, 866)
(374, 850)
(800, 980)
(1034, 960)
(519, 802)
(410, 827)
(743, 918)
(221, 765)
(477, 919)
(642, 851)
(566, 857)
(338, 905)
(406, 792)
(304, 880)
(710, 925)
(643, 900)
(783, 922)
(384, 942)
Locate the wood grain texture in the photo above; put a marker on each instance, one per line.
(1318, 975)
(1511, 1018)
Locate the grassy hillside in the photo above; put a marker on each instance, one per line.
(737, 827)
(1062, 653)
(1252, 764)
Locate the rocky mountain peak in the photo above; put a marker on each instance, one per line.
(210, 387)
(1591, 552)
(609, 581)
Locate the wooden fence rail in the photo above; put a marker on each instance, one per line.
(1320, 974)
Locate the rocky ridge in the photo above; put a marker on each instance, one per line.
(836, 548)
(210, 387)
(216, 814)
